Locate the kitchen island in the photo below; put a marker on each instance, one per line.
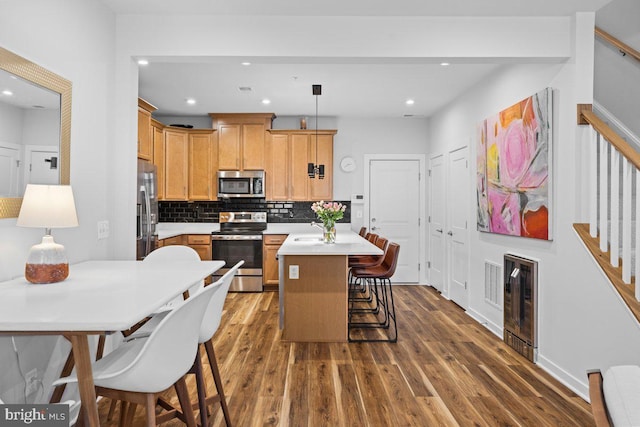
(314, 290)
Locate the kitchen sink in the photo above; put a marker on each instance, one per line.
(308, 239)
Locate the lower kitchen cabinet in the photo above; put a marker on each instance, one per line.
(201, 243)
(176, 240)
(270, 274)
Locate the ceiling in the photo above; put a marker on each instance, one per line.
(350, 87)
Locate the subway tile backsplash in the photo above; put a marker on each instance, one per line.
(277, 212)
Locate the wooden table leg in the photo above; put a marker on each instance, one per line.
(80, 345)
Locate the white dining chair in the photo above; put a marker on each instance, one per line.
(138, 370)
(210, 324)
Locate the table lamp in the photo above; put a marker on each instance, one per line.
(47, 206)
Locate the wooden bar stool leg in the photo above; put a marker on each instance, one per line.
(201, 388)
(216, 378)
(185, 403)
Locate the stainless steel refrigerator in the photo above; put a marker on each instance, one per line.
(147, 209)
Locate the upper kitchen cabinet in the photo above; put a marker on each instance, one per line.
(145, 132)
(176, 164)
(157, 133)
(241, 139)
(288, 153)
(202, 165)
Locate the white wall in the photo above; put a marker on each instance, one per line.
(11, 119)
(617, 78)
(75, 39)
(582, 323)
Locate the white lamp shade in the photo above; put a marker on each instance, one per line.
(48, 206)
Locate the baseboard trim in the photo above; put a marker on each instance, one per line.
(581, 388)
(492, 327)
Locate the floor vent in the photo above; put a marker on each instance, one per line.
(492, 281)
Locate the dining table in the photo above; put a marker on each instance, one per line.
(98, 297)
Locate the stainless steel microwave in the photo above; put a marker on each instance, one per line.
(241, 184)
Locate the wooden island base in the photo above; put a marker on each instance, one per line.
(316, 304)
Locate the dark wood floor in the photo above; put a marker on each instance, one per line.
(445, 369)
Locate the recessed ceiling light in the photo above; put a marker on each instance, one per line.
(266, 101)
(191, 101)
(244, 88)
(444, 64)
(410, 102)
(246, 63)
(7, 92)
(143, 62)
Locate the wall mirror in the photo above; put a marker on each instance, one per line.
(35, 129)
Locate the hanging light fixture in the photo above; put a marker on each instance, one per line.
(314, 169)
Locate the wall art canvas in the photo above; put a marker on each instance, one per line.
(514, 169)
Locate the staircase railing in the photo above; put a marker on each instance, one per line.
(614, 170)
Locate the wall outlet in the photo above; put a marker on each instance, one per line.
(31, 382)
(103, 230)
(294, 272)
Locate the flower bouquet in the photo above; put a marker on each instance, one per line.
(329, 213)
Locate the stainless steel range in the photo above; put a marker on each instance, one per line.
(240, 238)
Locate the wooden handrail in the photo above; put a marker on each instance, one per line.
(610, 135)
(622, 47)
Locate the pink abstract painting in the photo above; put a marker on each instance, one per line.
(514, 165)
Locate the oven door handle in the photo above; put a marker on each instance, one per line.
(234, 237)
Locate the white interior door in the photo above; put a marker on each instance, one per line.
(458, 234)
(9, 161)
(394, 211)
(44, 167)
(437, 222)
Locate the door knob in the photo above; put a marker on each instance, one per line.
(450, 233)
(439, 230)
(374, 228)
(373, 220)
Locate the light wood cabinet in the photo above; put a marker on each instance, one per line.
(175, 240)
(201, 243)
(201, 165)
(145, 136)
(270, 272)
(158, 155)
(322, 189)
(241, 140)
(176, 161)
(288, 153)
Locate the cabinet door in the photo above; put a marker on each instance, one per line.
(200, 159)
(229, 147)
(158, 159)
(299, 180)
(144, 135)
(322, 189)
(176, 160)
(277, 172)
(252, 147)
(270, 272)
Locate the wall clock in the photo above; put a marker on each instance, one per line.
(348, 164)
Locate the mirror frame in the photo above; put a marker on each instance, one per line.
(27, 70)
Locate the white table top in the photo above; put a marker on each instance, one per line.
(98, 295)
(347, 243)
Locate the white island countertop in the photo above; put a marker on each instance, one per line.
(347, 243)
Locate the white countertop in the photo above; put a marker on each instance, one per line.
(347, 243)
(172, 229)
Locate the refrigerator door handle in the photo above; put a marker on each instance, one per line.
(147, 217)
(140, 232)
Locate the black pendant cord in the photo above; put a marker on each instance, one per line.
(316, 160)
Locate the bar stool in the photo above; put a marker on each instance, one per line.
(360, 261)
(363, 231)
(380, 277)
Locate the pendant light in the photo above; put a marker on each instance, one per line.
(314, 169)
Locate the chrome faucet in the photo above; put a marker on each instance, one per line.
(317, 224)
